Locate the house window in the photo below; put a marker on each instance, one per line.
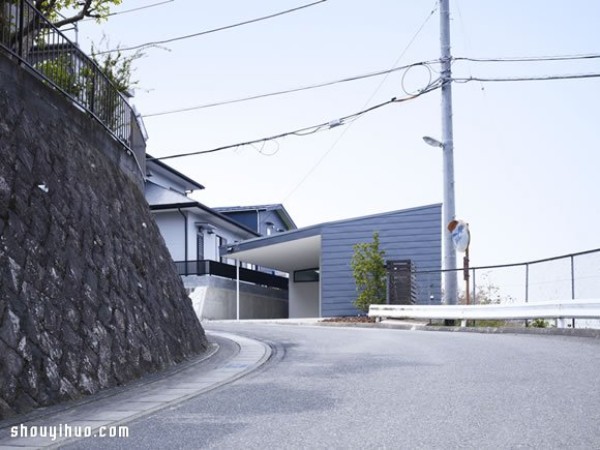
(306, 276)
(270, 228)
(199, 246)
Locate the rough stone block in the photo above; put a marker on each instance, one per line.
(88, 300)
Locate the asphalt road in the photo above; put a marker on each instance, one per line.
(329, 387)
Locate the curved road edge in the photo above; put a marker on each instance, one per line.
(116, 409)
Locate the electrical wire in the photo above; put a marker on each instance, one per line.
(427, 64)
(306, 131)
(289, 91)
(379, 86)
(125, 11)
(530, 58)
(214, 30)
(540, 78)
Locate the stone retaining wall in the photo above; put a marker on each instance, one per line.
(89, 297)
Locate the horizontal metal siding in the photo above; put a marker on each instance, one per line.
(413, 234)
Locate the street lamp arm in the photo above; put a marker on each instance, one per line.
(433, 142)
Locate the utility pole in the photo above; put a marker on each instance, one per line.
(449, 208)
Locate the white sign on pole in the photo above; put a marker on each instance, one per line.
(461, 236)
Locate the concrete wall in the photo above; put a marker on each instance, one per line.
(214, 298)
(89, 297)
(304, 299)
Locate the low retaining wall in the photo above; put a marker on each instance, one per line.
(214, 298)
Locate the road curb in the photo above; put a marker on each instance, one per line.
(115, 410)
(395, 324)
(389, 324)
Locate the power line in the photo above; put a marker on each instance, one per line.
(214, 30)
(370, 75)
(306, 131)
(531, 58)
(288, 91)
(394, 68)
(125, 11)
(540, 78)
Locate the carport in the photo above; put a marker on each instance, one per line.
(317, 258)
(297, 253)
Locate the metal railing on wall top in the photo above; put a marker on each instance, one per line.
(27, 35)
(209, 267)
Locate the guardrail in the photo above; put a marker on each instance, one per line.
(576, 309)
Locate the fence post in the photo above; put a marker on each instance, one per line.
(237, 289)
(21, 30)
(527, 283)
(474, 287)
(92, 90)
(527, 289)
(573, 285)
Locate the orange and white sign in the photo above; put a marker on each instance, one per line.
(461, 236)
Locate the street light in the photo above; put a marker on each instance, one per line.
(433, 142)
(450, 280)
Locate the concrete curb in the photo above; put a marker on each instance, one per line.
(403, 325)
(577, 332)
(422, 326)
(109, 412)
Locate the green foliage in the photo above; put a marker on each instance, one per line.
(61, 71)
(117, 67)
(539, 323)
(97, 9)
(368, 267)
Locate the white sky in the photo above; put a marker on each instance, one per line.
(527, 164)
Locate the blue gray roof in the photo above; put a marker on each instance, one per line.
(160, 198)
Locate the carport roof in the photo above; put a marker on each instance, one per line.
(296, 249)
(287, 252)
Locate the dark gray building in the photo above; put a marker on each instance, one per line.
(318, 257)
(263, 219)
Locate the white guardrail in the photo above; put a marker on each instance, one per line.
(575, 309)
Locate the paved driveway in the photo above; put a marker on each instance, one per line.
(329, 387)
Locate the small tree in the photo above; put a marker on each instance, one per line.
(487, 293)
(368, 267)
(117, 67)
(80, 9)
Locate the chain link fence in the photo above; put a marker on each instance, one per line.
(566, 277)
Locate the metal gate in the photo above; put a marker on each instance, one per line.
(401, 286)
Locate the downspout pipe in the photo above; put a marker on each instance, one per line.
(185, 234)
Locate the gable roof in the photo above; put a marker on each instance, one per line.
(169, 172)
(276, 208)
(160, 198)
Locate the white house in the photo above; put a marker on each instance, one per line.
(194, 233)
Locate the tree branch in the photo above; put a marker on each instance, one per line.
(84, 12)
